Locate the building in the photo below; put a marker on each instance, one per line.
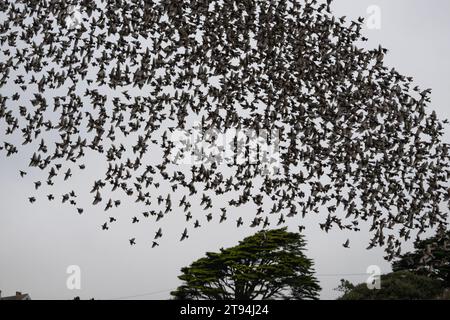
(18, 296)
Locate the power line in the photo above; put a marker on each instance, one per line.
(341, 274)
(168, 290)
(142, 294)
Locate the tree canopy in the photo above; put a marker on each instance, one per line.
(268, 265)
(430, 257)
(402, 285)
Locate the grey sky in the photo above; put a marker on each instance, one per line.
(38, 242)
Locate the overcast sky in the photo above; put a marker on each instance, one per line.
(38, 242)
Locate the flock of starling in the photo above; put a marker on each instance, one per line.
(116, 78)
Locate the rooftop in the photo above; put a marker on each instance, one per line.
(18, 296)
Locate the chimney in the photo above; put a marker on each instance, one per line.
(18, 293)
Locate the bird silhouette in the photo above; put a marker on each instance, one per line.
(158, 234)
(346, 244)
(184, 235)
(335, 127)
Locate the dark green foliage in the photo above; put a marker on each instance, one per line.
(431, 257)
(402, 285)
(267, 265)
(345, 286)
